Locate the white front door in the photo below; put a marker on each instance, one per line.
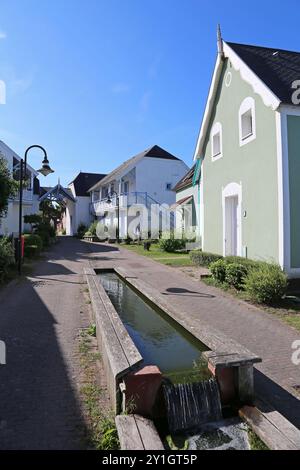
(231, 226)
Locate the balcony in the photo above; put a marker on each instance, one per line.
(125, 200)
(27, 196)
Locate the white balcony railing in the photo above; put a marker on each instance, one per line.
(125, 200)
(27, 196)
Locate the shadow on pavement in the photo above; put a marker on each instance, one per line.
(38, 407)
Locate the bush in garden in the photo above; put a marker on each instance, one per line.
(248, 263)
(202, 258)
(169, 243)
(32, 239)
(218, 270)
(235, 274)
(33, 245)
(266, 284)
(31, 251)
(7, 256)
(93, 229)
(81, 230)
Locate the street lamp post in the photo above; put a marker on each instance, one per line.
(118, 212)
(45, 170)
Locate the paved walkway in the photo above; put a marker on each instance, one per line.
(276, 377)
(39, 320)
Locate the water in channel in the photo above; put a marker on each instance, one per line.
(159, 340)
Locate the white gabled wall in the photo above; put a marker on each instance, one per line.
(152, 175)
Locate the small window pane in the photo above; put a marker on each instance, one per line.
(216, 144)
(247, 128)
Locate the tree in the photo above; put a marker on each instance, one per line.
(51, 211)
(8, 186)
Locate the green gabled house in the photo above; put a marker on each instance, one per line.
(249, 151)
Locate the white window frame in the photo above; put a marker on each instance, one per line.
(216, 129)
(247, 105)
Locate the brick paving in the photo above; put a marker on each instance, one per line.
(39, 320)
(259, 331)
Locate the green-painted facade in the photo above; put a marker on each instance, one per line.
(253, 166)
(293, 135)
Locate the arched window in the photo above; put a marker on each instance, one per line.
(216, 141)
(247, 126)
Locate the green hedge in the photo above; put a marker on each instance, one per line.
(33, 245)
(32, 239)
(218, 270)
(267, 284)
(31, 251)
(202, 258)
(263, 282)
(235, 275)
(171, 244)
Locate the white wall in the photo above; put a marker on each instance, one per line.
(10, 223)
(76, 213)
(83, 214)
(152, 175)
(69, 219)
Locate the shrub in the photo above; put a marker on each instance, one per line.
(31, 251)
(7, 256)
(92, 228)
(81, 229)
(88, 234)
(267, 284)
(45, 236)
(218, 270)
(202, 258)
(33, 240)
(169, 243)
(235, 274)
(248, 263)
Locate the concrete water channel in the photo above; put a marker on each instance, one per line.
(160, 341)
(147, 345)
(168, 377)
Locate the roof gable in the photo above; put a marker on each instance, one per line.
(152, 152)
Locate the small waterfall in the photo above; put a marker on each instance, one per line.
(192, 404)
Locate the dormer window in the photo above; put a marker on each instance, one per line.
(247, 129)
(216, 141)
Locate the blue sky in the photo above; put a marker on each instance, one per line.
(96, 81)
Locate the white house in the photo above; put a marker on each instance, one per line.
(10, 223)
(78, 206)
(144, 180)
